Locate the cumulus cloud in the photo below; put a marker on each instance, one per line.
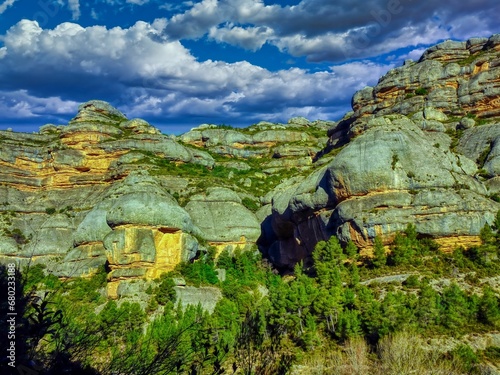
(6, 4)
(19, 104)
(146, 76)
(250, 38)
(323, 30)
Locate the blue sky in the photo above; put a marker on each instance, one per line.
(184, 63)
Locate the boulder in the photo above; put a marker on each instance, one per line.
(299, 121)
(98, 111)
(446, 51)
(222, 218)
(150, 209)
(478, 141)
(390, 175)
(206, 297)
(139, 126)
(467, 123)
(94, 227)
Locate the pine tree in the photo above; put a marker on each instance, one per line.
(428, 309)
(457, 307)
(351, 250)
(379, 256)
(328, 260)
(489, 308)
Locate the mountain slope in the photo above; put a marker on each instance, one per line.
(420, 147)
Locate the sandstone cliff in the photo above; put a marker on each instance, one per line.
(422, 147)
(107, 190)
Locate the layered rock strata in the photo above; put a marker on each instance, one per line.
(420, 147)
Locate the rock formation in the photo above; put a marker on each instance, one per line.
(422, 147)
(407, 159)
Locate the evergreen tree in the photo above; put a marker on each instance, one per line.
(406, 246)
(353, 274)
(487, 236)
(351, 251)
(457, 312)
(428, 308)
(328, 259)
(349, 325)
(379, 256)
(489, 308)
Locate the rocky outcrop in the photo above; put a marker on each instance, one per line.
(206, 297)
(139, 228)
(291, 145)
(456, 78)
(223, 220)
(80, 196)
(407, 159)
(105, 191)
(482, 144)
(96, 143)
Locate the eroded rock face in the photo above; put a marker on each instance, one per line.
(278, 145)
(482, 144)
(206, 297)
(400, 165)
(79, 196)
(139, 228)
(94, 142)
(456, 78)
(223, 220)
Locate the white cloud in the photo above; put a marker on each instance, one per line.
(137, 2)
(20, 105)
(342, 46)
(74, 7)
(196, 21)
(146, 76)
(250, 38)
(323, 30)
(6, 4)
(414, 54)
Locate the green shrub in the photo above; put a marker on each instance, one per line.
(165, 291)
(412, 282)
(492, 352)
(379, 257)
(87, 289)
(395, 159)
(33, 275)
(465, 356)
(198, 273)
(50, 210)
(483, 173)
(225, 126)
(250, 204)
(17, 235)
(421, 91)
